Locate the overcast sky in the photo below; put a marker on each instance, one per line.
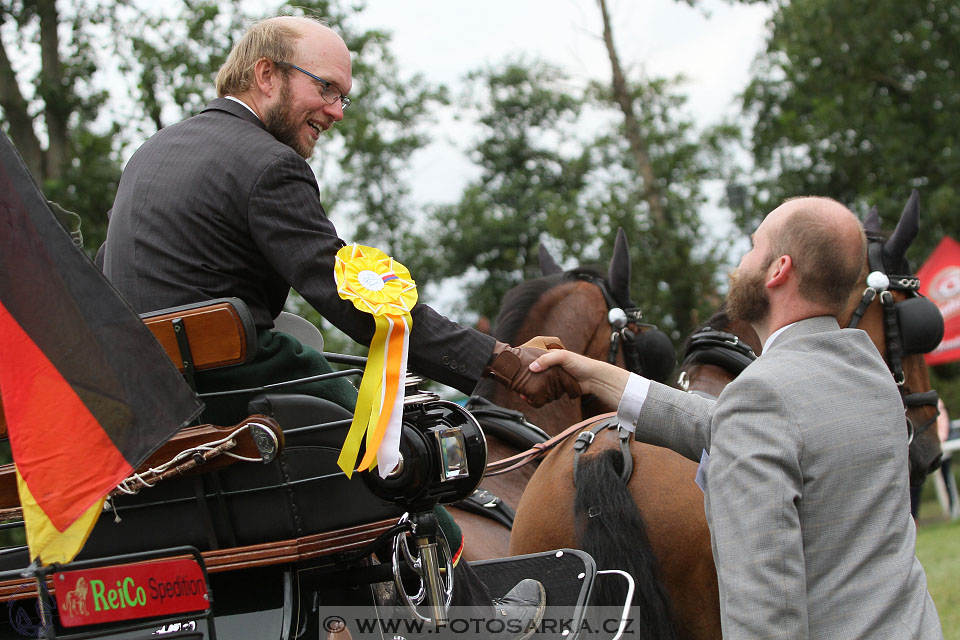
(712, 45)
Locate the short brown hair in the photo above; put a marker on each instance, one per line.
(272, 38)
(826, 266)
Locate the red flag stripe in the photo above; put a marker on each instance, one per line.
(49, 426)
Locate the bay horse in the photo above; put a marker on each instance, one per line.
(660, 509)
(575, 304)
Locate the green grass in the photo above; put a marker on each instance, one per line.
(938, 547)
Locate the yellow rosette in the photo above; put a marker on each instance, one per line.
(382, 287)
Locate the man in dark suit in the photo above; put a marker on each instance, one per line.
(806, 481)
(225, 204)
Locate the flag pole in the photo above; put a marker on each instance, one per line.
(39, 573)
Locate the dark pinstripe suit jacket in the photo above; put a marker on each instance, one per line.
(215, 206)
(806, 490)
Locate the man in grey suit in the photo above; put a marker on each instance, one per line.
(806, 483)
(224, 204)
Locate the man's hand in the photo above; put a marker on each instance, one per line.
(601, 379)
(510, 366)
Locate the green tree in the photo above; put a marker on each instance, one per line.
(675, 256)
(858, 100)
(532, 173)
(547, 178)
(657, 192)
(50, 103)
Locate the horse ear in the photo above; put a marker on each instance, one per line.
(548, 266)
(896, 247)
(618, 273)
(871, 224)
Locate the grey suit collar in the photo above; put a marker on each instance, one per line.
(805, 327)
(233, 108)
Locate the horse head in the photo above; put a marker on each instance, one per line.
(590, 310)
(903, 325)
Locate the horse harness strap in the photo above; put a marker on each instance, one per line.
(923, 314)
(619, 317)
(484, 503)
(881, 285)
(718, 348)
(507, 424)
(514, 462)
(586, 438)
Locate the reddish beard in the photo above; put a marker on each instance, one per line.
(747, 298)
(279, 123)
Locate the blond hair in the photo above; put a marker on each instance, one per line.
(271, 38)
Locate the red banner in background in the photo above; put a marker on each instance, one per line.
(940, 281)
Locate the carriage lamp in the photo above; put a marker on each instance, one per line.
(453, 453)
(443, 455)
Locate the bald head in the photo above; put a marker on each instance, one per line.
(826, 243)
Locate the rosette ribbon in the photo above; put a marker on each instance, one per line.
(376, 284)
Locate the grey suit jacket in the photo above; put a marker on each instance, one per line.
(216, 206)
(807, 492)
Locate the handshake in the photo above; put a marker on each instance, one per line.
(510, 366)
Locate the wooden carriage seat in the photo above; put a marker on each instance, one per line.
(205, 335)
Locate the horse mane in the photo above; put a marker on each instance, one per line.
(516, 306)
(518, 301)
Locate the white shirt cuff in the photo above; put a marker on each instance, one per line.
(634, 395)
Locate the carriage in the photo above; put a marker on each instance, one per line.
(252, 530)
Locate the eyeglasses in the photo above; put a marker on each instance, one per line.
(329, 92)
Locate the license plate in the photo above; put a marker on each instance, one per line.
(130, 591)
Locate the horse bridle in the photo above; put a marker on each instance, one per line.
(881, 285)
(620, 319)
(719, 348)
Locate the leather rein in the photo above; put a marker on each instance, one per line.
(539, 450)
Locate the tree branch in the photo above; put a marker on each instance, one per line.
(21, 124)
(56, 102)
(638, 147)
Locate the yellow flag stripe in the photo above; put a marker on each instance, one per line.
(44, 539)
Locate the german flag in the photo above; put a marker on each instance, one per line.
(86, 390)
